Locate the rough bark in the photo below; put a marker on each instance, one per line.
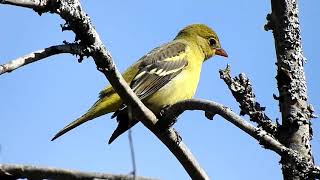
(241, 90)
(295, 131)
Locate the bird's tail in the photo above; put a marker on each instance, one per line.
(84, 118)
(125, 122)
(102, 106)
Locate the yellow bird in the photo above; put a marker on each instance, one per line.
(164, 76)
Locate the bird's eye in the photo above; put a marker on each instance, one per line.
(212, 42)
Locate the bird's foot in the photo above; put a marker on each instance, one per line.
(163, 111)
(166, 121)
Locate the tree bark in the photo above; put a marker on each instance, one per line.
(295, 131)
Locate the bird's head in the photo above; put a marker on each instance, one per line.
(204, 37)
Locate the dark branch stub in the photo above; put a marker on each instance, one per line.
(65, 27)
(209, 115)
(241, 89)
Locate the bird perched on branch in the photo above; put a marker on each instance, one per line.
(164, 76)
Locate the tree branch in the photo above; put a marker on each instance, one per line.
(268, 141)
(25, 3)
(41, 54)
(80, 24)
(14, 171)
(295, 131)
(241, 90)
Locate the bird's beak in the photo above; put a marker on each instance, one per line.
(221, 52)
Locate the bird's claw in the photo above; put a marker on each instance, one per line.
(163, 110)
(165, 121)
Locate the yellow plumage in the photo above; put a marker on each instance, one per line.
(164, 76)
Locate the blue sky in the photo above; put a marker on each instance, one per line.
(39, 99)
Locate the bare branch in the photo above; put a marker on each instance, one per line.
(295, 131)
(241, 90)
(213, 108)
(14, 171)
(25, 3)
(40, 6)
(268, 141)
(80, 24)
(39, 55)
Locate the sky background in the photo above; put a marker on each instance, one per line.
(39, 99)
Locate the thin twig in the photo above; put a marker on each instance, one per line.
(133, 158)
(39, 55)
(14, 171)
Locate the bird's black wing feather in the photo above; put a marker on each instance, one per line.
(155, 71)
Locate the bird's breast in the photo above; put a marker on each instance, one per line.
(181, 87)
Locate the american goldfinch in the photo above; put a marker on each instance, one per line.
(164, 76)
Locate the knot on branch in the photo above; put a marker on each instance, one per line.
(209, 115)
(270, 24)
(242, 91)
(311, 111)
(65, 27)
(78, 50)
(51, 6)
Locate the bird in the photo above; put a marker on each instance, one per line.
(165, 75)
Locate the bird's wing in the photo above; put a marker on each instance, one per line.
(129, 74)
(158, 68)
